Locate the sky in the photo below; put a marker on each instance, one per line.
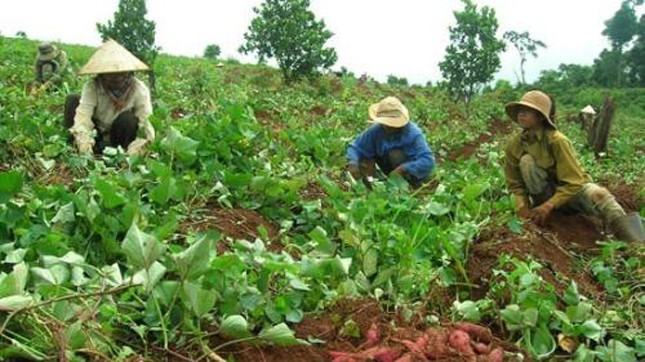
(406, 38)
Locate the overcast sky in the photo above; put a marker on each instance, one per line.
(378, 37)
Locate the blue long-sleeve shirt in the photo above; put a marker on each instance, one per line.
(375, 143)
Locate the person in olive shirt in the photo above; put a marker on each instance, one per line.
(543, 172)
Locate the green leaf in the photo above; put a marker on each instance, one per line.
(322, 242)
(14, 302)
(110, 196)
(571, 295)
(56, 274)
(181, 146)
(583, 354)
(15, 256)
(468, 309)
(75, 336)
(164, 191)
(10, 184)
(149, 277)
(591, 329)
(14, 283)
(280, 335)
(65, 214)
(193, 261)
(235, 326)
(383, 276)
(140, 248)
(542, 342)
(370, 262)
(201, 300)
(298, 284)
(437, 209)
(616, 351)
(580, 312)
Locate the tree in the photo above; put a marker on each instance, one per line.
(131, 29)
(635, 56)
(608, 69)
(472, 58)
(394, 80)
(525, 46)
(287, 31)
(622, 27)
(212, 51)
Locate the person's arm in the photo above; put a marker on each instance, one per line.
(514, 180)
(142, 110)
(363, 147)
(571, 177)
(83, 125)
(421, 160)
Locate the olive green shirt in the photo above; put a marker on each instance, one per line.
(553, 152)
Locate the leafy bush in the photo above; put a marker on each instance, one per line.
(287, 31)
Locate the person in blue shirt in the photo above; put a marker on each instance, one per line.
(393, 143)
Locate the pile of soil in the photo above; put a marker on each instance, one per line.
(312, 191)
(496, 127)
(236, 223)
(552, 245)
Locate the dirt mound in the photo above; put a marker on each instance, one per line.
(551, 245)
(374, 330)
(268, 118)
(178, 113)
(627, 196)
(60, 174)
(320, 110)
(312, 191)
(496, 127)
(237, 223)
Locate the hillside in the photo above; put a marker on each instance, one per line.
(242, 226)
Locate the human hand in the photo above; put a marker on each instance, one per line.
(354, 170)
(399, 170)
(542, 212)
(137, 147)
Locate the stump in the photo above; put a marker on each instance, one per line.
(598, 131)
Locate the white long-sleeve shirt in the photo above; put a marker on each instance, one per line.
(96, 103)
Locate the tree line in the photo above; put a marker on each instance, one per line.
(288, 32)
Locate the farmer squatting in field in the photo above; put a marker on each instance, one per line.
(50, 67)
(113, 106)
(393, 143)
(544, 174)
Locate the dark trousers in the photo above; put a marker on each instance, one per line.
(389, 163)
(123, 132)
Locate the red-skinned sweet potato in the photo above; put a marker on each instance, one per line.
(460, 342)
(478, 333)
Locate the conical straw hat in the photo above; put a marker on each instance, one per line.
(111, 57)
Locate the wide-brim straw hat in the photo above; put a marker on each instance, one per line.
(534, 99)
(47, 51)
(390, 112)
(111, 57)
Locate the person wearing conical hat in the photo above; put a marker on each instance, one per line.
(50, 66)
(114, 106)
(392, 142)
(543, 172)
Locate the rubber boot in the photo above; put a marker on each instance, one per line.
(629, 228)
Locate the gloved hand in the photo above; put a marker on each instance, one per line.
(137, 147)
(542, 212)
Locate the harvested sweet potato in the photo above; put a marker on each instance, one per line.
(480, 348)
(437, 346)
(497, 355)
(379, 354)
(460, 342)
(478, 333)
(405, 358)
